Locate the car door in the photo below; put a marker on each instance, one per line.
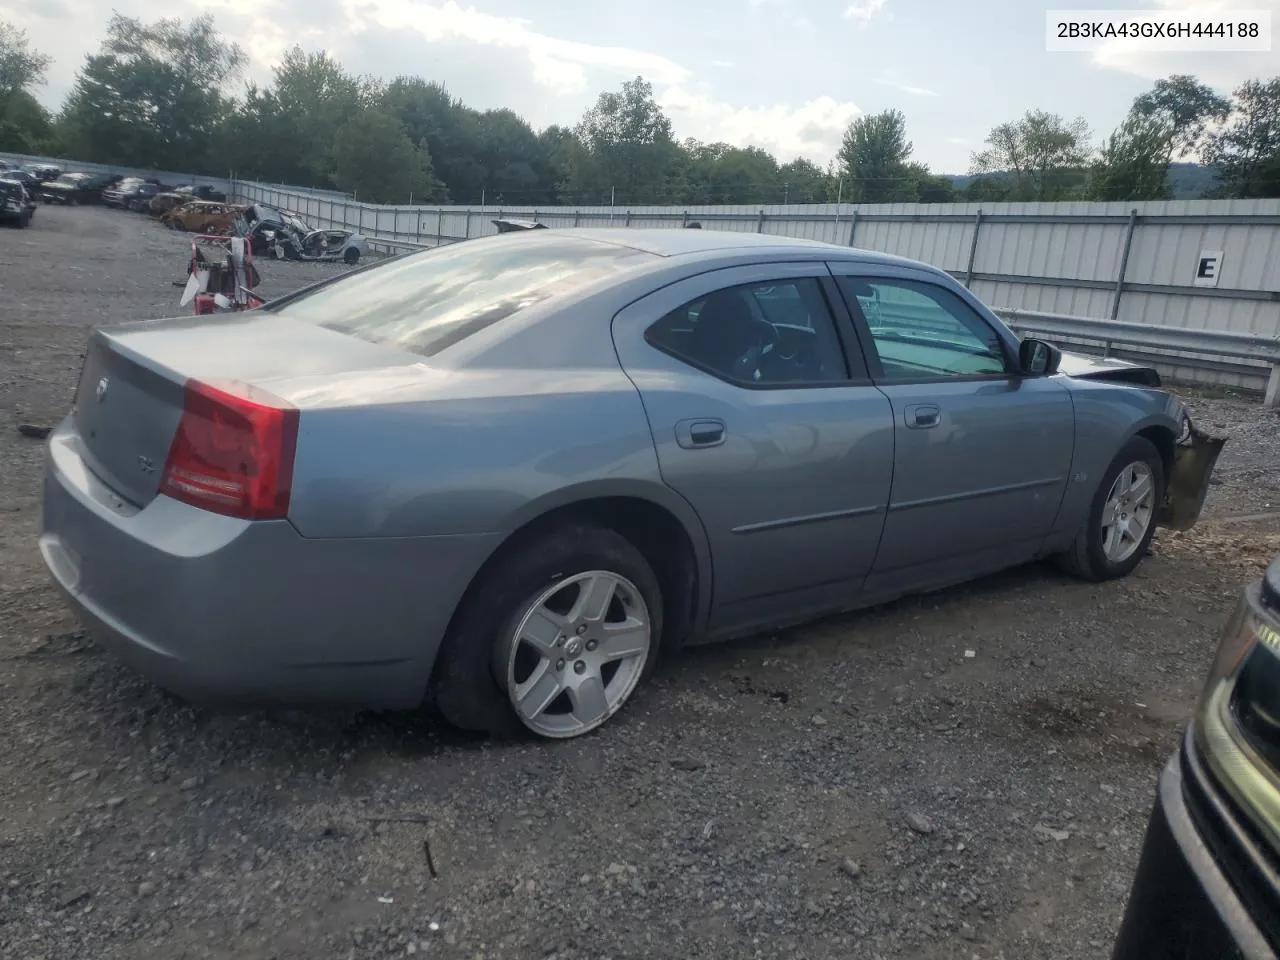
(764, 419)
(982, 453)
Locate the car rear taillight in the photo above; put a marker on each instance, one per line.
(233, 452)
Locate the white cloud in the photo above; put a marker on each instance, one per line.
(811, 130)
(906, 88)
(486, 59)
(864, 11)
(1220, 70)
(560, 65)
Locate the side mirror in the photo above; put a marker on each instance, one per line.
(1037, 358)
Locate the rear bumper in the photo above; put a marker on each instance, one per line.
(1182, 904)
(233, 612)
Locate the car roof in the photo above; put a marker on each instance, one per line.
(673, 242)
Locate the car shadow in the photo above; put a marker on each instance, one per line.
(123, 707)
(1004, 584)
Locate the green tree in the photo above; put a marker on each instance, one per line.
(449, 128)
(558, 144)
(311, 100)
(20, 66)
(24, 124)
(1044, 155)
(932, 188)
(1133, 164)
(1184, 108)
(873, 159)
(1247, 152)
(1170, 120)
(374, 158)
(627, 149)
(151, 96)
(516, 165)
(721, 173)
(988, 188)
(803, 181)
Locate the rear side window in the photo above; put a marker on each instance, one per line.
(759, 334)
(428, 301)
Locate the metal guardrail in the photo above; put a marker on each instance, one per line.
(391, 243)
(1158, 339)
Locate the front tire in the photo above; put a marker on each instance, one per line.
(1122, 515)
(554, 639)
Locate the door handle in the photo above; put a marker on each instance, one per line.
(922, 416)
(700, 433)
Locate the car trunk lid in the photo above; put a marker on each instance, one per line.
(132, 387)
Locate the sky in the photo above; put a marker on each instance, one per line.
(785, 75)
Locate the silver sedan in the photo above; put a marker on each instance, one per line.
(502, 477)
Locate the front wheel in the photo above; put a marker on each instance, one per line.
(554, 639)
(1122, 515)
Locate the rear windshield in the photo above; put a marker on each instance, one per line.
(428, 301)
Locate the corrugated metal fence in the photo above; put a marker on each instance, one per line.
(1193, 264)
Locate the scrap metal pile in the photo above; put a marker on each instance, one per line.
(223, 285)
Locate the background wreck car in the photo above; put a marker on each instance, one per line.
(16, 206)
(202, 216)
(163, 202)
(130, 193)
(286, 236)
(537, 461)
(75, 188)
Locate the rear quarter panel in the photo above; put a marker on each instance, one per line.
(1107, 416)
(484, 452)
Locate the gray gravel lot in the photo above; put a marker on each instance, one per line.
(857, 788)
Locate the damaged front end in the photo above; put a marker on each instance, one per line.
(1194, 457)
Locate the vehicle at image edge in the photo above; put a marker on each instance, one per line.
(501, 475)
(1208, 881)
(29, 180)
(16, 206)
(75, 188)
(130, 193)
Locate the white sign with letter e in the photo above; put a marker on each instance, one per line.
(1207, 269)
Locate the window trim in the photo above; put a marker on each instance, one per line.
(874, 365)
(857, 373)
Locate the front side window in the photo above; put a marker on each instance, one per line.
(924, 331)
(760, 334)
(428, 301)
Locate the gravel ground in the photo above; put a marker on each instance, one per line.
(858, 788)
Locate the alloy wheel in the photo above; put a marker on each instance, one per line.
(577, 654)
(1128, 511)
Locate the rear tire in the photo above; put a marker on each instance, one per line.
(481, 667)
(1102, 551)
(351, 257)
